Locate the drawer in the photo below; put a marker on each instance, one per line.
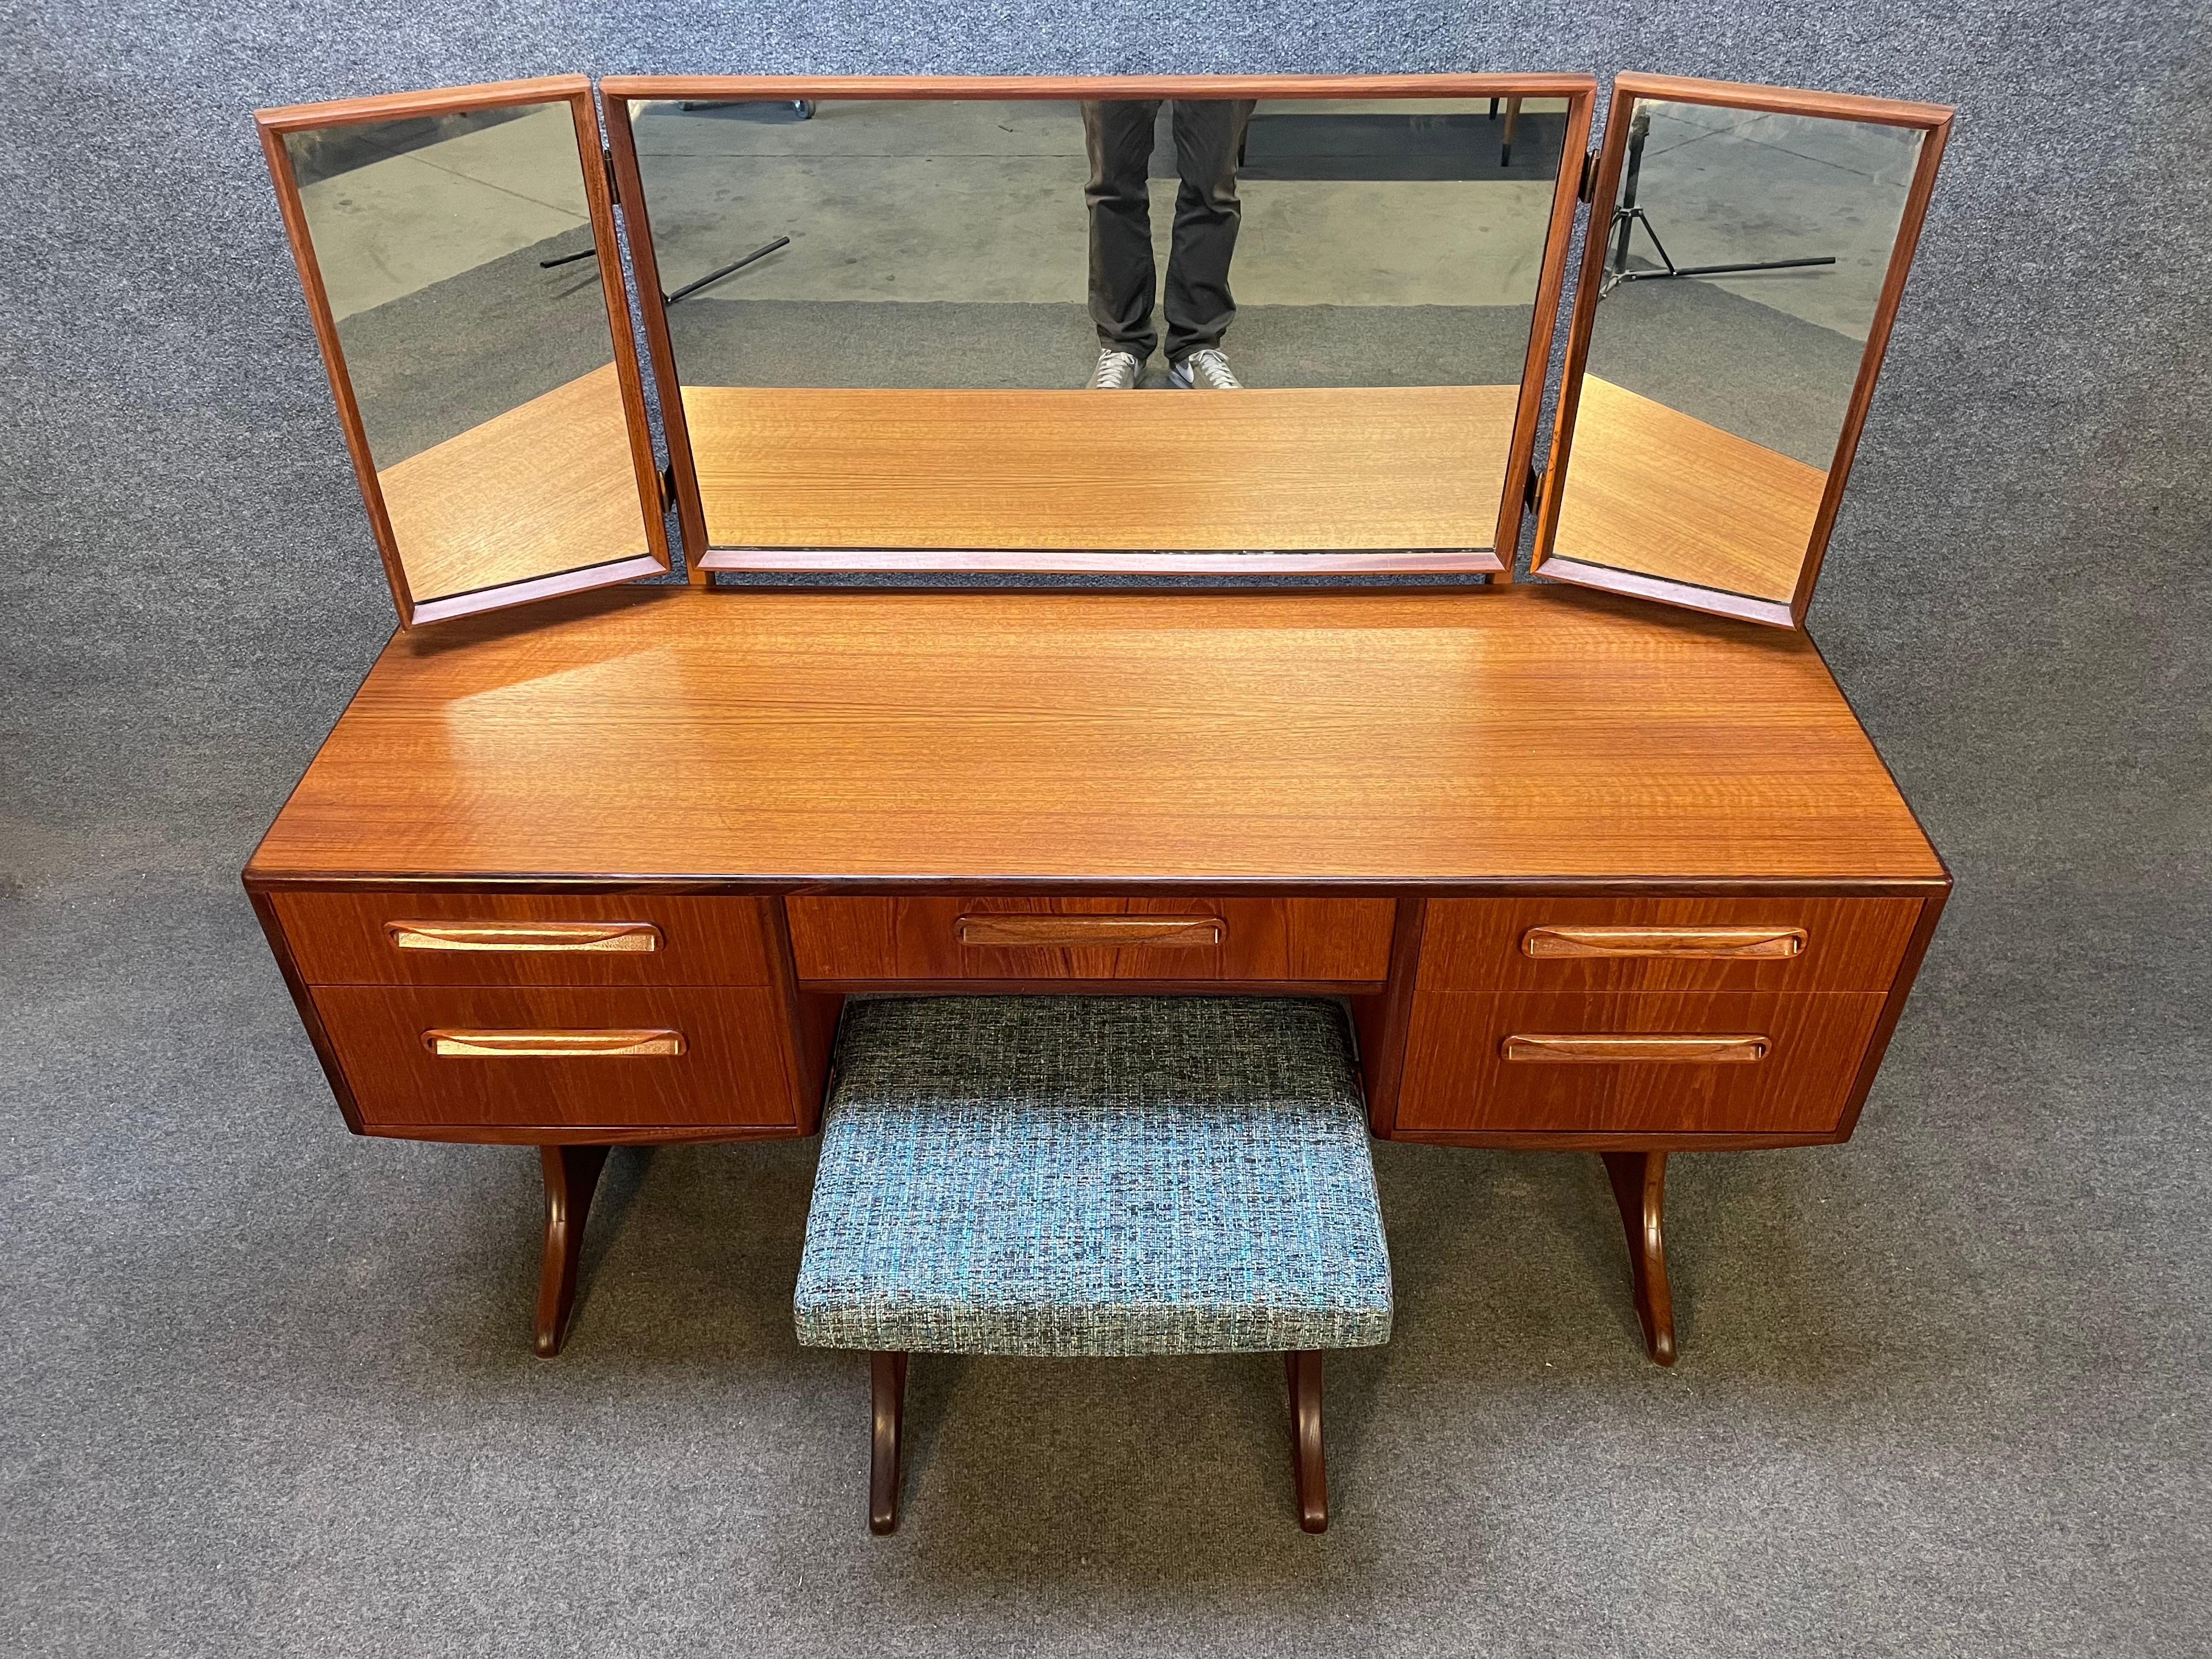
(1329, 941)
(1665, 943)
(417, 1056)
(399, 937)
(1686, 1062)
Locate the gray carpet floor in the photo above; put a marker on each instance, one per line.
(267, 1388)
(271, 1390)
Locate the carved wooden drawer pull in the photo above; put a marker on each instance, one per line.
(1614, 1047)
(624, 937)
(553, 1045)
(1028, 928)
(1722, 944)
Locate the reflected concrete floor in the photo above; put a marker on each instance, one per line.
(1731, 186)
(984, 204)
(981, 202)
(942, 201)
(971, 214)
(397, 225)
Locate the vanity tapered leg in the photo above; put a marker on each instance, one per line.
(887, 1385)
(1640, 1187)
(572, 1176)
(1303, 1368)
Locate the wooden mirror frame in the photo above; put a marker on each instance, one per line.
(1934, 122)
(702, 558)
(576, 90)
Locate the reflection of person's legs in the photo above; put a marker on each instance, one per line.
(1119, 136)
(1208, 134)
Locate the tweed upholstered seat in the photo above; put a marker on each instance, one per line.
(1094, 1176)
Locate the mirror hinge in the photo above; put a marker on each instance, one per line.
(668, 486)
(1589, 176)
(607, 160)
(1535, 486)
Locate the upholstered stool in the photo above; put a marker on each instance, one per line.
(1088, 1176)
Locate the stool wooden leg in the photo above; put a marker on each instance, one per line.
(1303, 1368)
(1639, 1188)
(887, 1383)
(572, 1176)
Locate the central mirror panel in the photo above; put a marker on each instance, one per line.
(900, 324)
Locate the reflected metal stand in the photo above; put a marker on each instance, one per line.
(762, 251)
(1628, 216)
(805, 106)
(716, 275)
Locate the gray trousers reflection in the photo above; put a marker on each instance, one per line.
(1208, 134)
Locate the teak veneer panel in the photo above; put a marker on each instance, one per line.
(1653, 491)
(735, 1069)
(1457, 1078)
(1318, 470)
(343, 938)
(549, 486)
(1528, 734)
(1850, 944)
(1269, 941)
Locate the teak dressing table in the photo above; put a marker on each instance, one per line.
(580, 868)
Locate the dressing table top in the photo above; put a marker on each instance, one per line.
(1524, 736)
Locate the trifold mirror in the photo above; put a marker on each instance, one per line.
(885, 305)
(885, 318)
(1733, 308)
(457, 251)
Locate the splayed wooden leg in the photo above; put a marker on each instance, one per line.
(572, 1176)
(887, 1384)
(1639, 1188)
(1303, 1368)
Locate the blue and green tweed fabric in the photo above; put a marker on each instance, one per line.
(1094, 1176)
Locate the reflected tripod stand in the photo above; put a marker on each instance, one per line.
(1628, 216)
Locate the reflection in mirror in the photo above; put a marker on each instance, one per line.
(457, 254)
(1744, 270)
(1180, 324)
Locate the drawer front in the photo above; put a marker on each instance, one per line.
(1687, 1063)
(396, 937)
(475, 1055)
(1332, 941)
(1665, 945)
